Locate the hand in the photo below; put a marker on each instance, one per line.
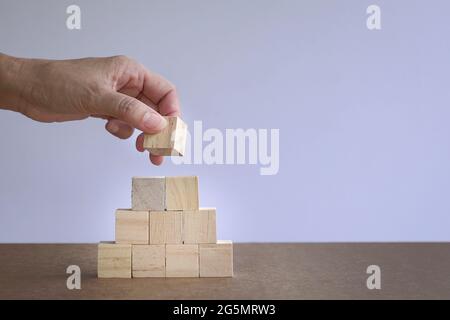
(117, 89)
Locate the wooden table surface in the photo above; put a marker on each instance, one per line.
(262, 271)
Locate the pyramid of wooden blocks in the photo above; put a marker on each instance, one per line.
(171, 141)
(165, 234)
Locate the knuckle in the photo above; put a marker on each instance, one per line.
(172, 87)
(121, 59)
(125, 106)
(169, 88)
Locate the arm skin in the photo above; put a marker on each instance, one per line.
(117, 89)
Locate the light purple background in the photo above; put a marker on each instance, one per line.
(364, 117)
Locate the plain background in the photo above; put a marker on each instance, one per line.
(363, 117)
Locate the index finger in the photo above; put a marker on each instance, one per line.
(162, 93)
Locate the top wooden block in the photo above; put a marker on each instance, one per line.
(164, 193)
(171, 141)
(182, 193)
(148, 193)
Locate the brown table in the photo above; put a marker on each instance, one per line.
(262, 271)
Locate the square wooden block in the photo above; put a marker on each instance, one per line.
(132, 227)
(199, 226)
(216, 260)
(182, 260)
(182, 193)
(148, 193)
(166, 227)
(171, 141)
(114, 260)
(149, 261)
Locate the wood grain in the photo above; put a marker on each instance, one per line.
(132, 227)
(182, 193)
(166, 227)
(199, 226)
(171, 141)
(149, 261)
(182, 260)
(148, 193)
(114, 260)
(216, 260)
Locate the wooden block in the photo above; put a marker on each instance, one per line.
(114, 260)
(216, 260)
(171, 141)
(148, 193)
(149, 261)
(132, 227)
(182, 260)
(199, 226)
(166, 227)
(182, 193)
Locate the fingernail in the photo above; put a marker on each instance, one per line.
(113, 127)
(153, 121)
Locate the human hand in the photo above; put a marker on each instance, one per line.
(117, 89)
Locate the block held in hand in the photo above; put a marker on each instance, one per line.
(171, 141)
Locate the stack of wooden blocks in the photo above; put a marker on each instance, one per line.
(165, 234)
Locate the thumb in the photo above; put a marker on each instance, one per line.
(132, 111)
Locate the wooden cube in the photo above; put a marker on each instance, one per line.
(171, 141)
(166, 227)
(132, 227)
(216, 260)
(182, 193)
(182, 260)
(148, 193)
(114, 260)
(149, 261)
(199, 226)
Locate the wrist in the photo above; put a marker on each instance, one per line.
(11, 71)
